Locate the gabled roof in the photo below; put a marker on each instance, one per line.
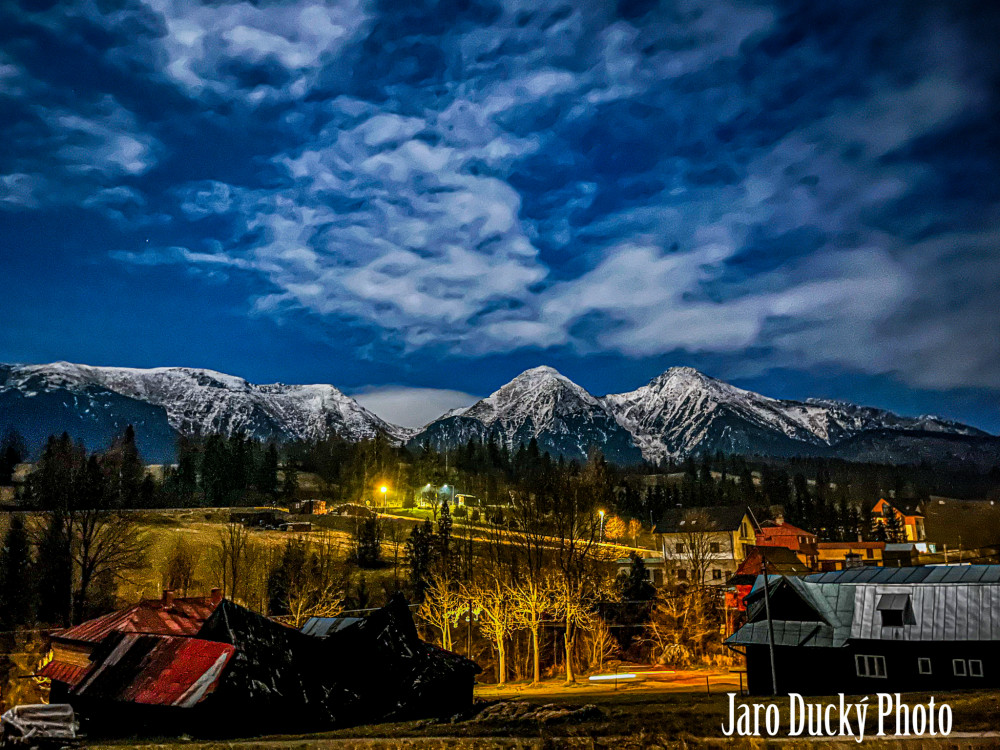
(772, 529)
(60, 671)
(942, 604)
(780, 561)
(709, 518)
(155, 670)
(906, 507)
(176, 617)
(919, 574)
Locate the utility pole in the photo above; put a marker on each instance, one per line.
(770, 629)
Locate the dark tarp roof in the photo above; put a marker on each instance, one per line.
(368, 671)
(323, 626)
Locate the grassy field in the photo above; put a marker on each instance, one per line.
(672, 714)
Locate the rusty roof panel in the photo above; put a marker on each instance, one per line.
(179, 617)
(60, 671)
(156, 670)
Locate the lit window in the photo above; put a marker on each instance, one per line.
(924, 665)
(975, 668)
(958, 667)
(870, 666)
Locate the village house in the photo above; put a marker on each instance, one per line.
(875, 630)
(704, 543)
(656, 569)
(71, 649)
(214, 668)
(778, 533)
(842, 555)
(908, 515)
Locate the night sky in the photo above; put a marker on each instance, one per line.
(799, 198)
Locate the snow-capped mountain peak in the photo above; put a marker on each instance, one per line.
(201, 401)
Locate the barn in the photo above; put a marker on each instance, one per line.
(227, 671)
(868, 630)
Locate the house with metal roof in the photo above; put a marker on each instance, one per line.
(867, 630)
(72, 648)
(167, 668)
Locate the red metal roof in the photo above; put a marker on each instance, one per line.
(157, 670)
(179, 617)
(60, 671)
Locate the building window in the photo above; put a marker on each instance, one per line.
(924, 665)
(716, 575)
(682, 575)
(713, 547)
(871, 553)
(975, 668)
(870, 666)
(680, 549)
(895, 610)
(958, 667)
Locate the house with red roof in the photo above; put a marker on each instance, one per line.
(72, 648)
(778, 533)
(210, 667)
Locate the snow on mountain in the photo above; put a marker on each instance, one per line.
(678, 413)
(539, 403)
(199, 401)
(684, 411)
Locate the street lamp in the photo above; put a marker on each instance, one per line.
(383, 489)
(601, 513)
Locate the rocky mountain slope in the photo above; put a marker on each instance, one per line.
(679, 413)
(93, 403)
(684, 411)
(539, 403)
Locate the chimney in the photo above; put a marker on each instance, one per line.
(168, 597)
(216, 596)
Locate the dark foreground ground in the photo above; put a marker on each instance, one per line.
(665, 714)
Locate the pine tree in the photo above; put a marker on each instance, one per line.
(16, 582)
(267, 472)
(215, 470)
(290, 481)
(420, 556)
(54, 567)
(12, 452)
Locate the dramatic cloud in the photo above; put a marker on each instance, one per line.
(412, 407)
(773, 185)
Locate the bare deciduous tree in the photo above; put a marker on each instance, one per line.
(104, 543)
(318, 589)
(494, 602)
(231, 559)
(533, 597)
(178, 573)
(443, 602)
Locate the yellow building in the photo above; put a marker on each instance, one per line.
(841, 555)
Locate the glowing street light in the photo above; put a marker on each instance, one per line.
(383, 489)
(601, 514)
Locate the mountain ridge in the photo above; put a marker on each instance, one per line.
(678, 413)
